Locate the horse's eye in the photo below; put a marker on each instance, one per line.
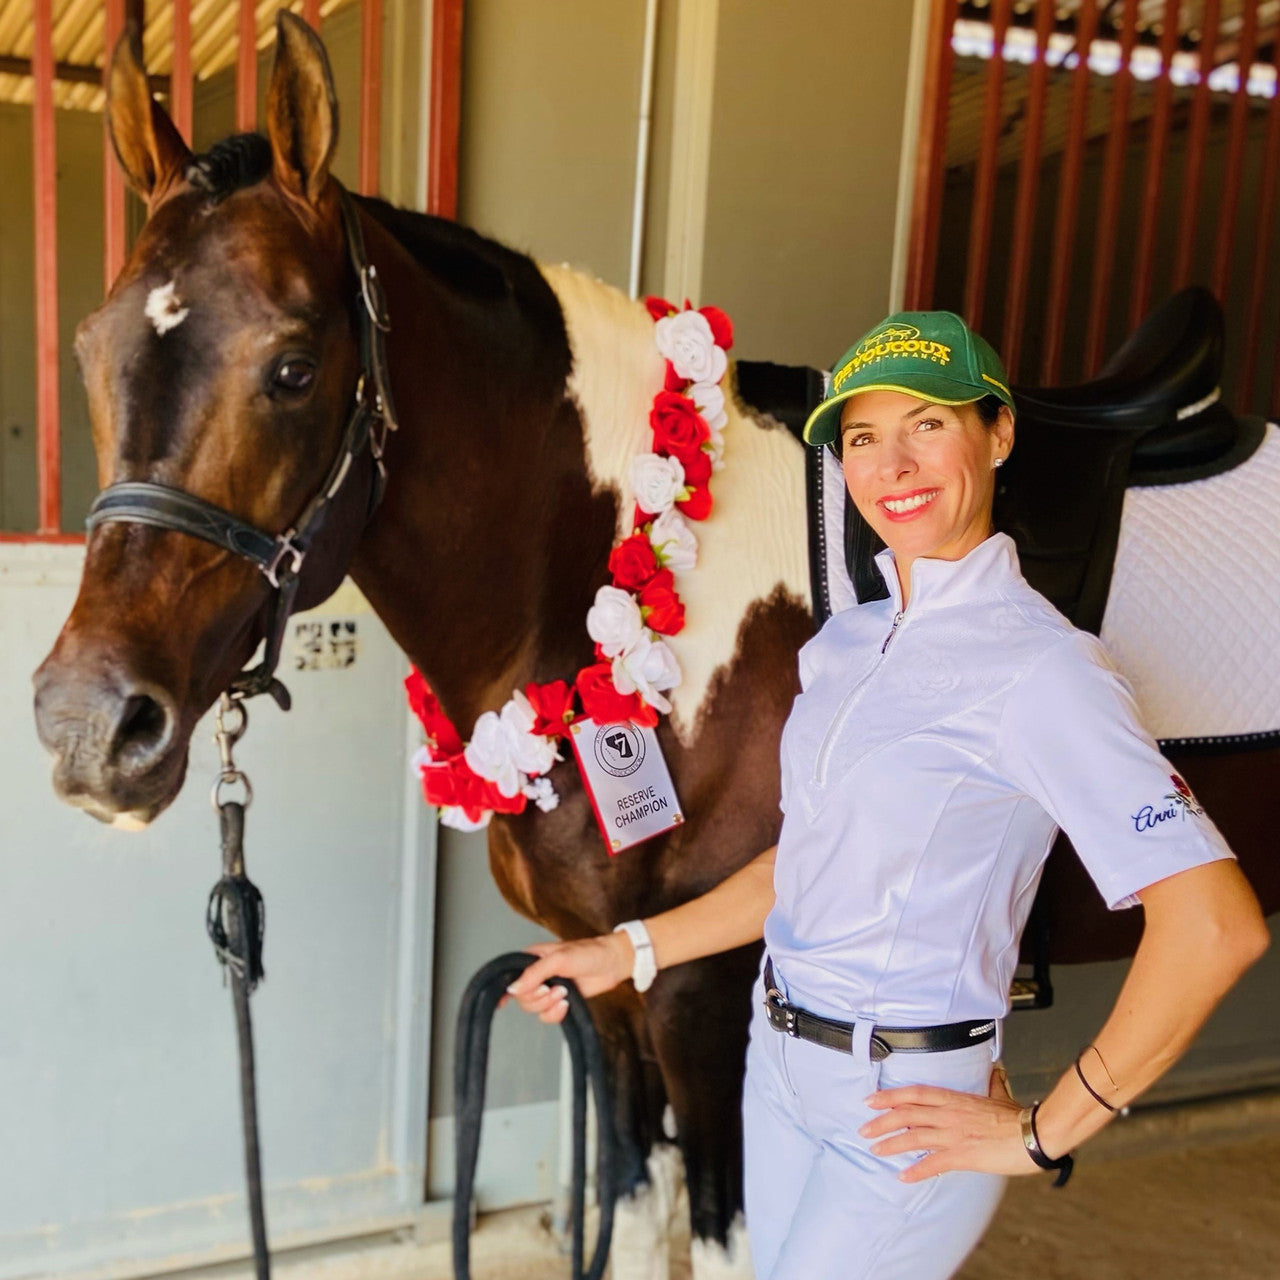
(294, 374)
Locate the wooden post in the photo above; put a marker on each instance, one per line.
(180, 84)
(446, 107)
(247, 68)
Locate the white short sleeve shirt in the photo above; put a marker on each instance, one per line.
(927, 765)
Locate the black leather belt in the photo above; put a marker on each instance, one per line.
(884, 1040)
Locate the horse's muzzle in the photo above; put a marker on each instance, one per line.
(114, 739)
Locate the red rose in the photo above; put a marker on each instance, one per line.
(442, 737)
(721, 326)
(678, 428)
(604, 704)
(672, 381)
(632, 562)
(661, 606)
(697, 469)
(697, 506)
(552, 705)
(658, 308)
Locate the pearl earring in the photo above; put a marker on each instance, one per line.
(999, 462)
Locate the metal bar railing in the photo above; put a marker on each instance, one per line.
(1104, 252)
(1261, 278)
(1197, 140)
(1157, 138)
(446, 107)
(113, 229)
(984, 187)
(931, 155)
(1024, 216)
(1220, 280)
(370, 95)
(1066, 216)
(247, 68)
(181, 86)
(49, 498)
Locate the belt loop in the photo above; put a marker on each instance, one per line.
(861, 1047)
(997, 1041)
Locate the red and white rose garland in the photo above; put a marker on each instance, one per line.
(502, 768)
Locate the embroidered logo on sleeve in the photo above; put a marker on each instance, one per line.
(1176, 804)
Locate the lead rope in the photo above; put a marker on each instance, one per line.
(470, 1066)
(236, 921)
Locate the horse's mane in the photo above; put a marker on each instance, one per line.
(457, 256)
(235, 162)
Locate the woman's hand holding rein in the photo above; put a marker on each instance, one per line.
(727, 916)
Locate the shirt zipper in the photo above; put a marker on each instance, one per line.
(846, 705)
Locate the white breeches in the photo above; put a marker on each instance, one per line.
(818, 1203)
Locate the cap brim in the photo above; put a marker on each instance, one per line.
(823, 425)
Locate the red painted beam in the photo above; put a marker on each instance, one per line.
(113, 230)
(446, 107)
(48, 459)
(311, 13)
(370, 95)
(247, 69)
(1065, 218)
(1024, 218)
(931, 155)
(180, 82)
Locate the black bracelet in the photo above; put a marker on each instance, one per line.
(1093, 1093)
(1031, 1140)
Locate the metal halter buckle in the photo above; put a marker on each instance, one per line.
(285, 547)
(375, 301)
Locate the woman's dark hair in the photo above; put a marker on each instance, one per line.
(988, 410)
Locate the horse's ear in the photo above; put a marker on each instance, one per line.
(148, 145)
(302, 110)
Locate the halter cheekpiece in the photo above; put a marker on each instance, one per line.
(279, 557)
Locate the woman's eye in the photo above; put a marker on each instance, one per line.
(294, 374)
(929, 423)
(856, 441)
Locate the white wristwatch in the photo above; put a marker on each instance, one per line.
(644, 968)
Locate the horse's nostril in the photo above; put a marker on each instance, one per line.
(142, 733)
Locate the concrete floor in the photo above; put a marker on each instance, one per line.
(1183, 1193)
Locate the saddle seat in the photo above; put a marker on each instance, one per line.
(1162, 385)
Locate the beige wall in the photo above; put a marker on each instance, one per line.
(802, 189)
(550, 100)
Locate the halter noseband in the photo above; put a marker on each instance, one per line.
(279, 557)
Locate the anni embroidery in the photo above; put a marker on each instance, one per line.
(502, 768)
(1177, 804)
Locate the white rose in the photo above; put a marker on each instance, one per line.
(687, 341)
(542, 793)
(490, 754)
(673, 542)
(710, 401)
(452, 815)
(656, 481)
(647, 668)
(614, 621)
(531, 752)
(717, 450)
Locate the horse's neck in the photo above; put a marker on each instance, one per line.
(483, 558)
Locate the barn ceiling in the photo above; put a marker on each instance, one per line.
(78, 43)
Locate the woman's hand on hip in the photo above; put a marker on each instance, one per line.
(953, 1130)
(595, 964)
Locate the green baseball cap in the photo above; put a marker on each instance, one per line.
(931, 354)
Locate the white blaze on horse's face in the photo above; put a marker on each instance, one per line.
(922, 474)
(164, 308)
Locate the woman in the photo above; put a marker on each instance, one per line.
(940, 740)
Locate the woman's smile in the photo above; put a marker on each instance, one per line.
(900, 507)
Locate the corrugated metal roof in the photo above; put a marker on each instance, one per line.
(78, 40)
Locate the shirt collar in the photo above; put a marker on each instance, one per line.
(935, 584)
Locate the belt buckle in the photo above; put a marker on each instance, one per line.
(776, 1003)
(880, 1049)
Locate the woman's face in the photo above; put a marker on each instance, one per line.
(922, 474)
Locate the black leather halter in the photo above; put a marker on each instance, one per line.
(280, 556)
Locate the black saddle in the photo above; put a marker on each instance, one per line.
(1152, 416)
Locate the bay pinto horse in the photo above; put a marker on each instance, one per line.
(224, 363)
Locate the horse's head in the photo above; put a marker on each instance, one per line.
(223, 364)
